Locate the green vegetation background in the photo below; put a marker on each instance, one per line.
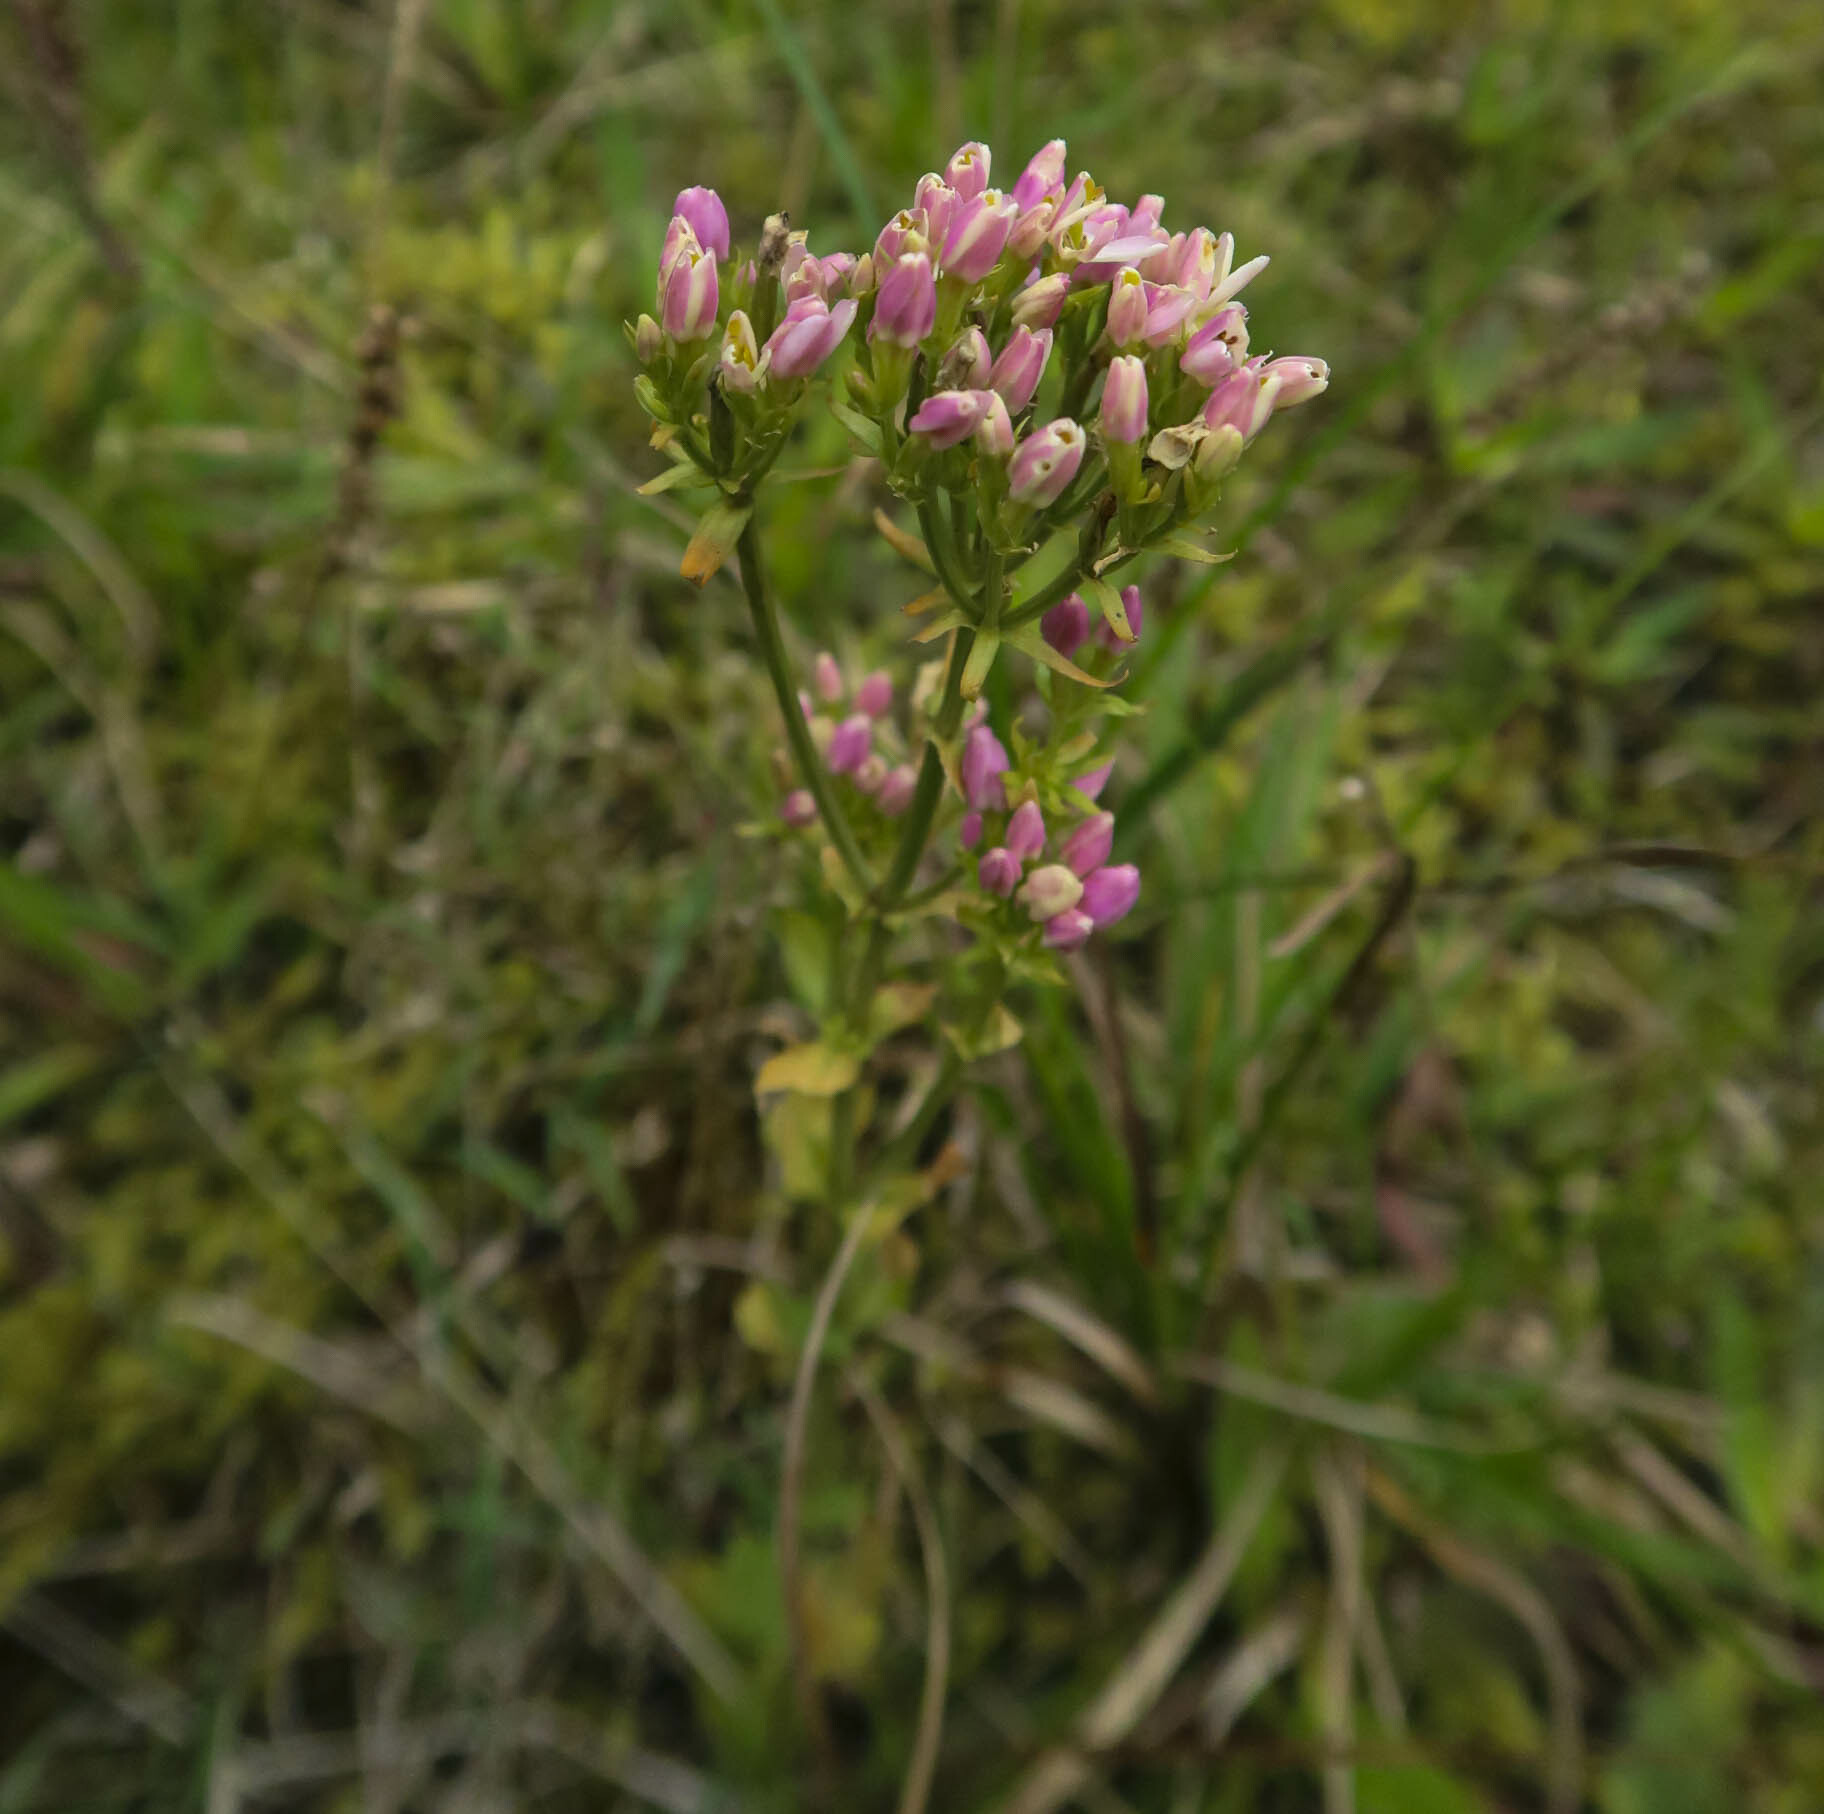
(389, 1248)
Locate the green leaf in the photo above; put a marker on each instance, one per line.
(1000, 1034)
(814, 1069)
(685, 472)
(864, 431)
(898, 1005)
(1187, 549)
(1030, 640)
(1108, 601)
(717, 533)
(981, 660)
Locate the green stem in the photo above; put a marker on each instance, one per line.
(811, 770)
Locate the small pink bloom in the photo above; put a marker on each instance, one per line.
(1203, 261)
(1237, 280)
(1110, 893)
(969, 830)
(1050, 890)
(1030, 231)
(1218, 346)
(809, 334)
(950, 417)
(1127, 308)
(1067, 930)
(1066, 625)
(1045, 463)
(1300, 379)
(1088, 846)
(967, 170)
(740, 362)
(1026, 830)
(1124, 401)
(994, 433)
(1149, 210)
(998, 871)
(826, 676)
(680, 240)
(875, 694)
(798, 808)
(1242, 401)
(897, 790)
(938, 201)
(1168, 308)
(1040, 303)
(687, 308)
(984, 763)
(1017, 371)
(907, 231)
(1090, 785)
(1043, 177)
(708, 218)
(850, 746)
(905, 309)
(978, 236)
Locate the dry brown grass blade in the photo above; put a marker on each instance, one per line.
(1142, 1675)
(1086, 1333)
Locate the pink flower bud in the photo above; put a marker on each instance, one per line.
(1045, 463)
(984, 763)
(905, 308)
(861, 279)
(688, 308)
(1168, 308)
(826, 677)
(872, 774)
(967, 365)
(998, 871)
(804, 703)
(875, 694)
(1300, 379)
(1149, 210)
(801, 274)
(1124, 401)
(1109, 894)
(1090, 785)
(1130, 603)
(798, 808)
(1161, 264)
(1017, 372)
(648, 340)
(1066, 625)
(708, 219)
(1218, 346)
(680, 240)
(1242, 401)
(978, 236)
(850, 746)
(1203, 261)
(1039, 304)
(1030, 231)
(994, 433)
(1127, 308)
(1088, 846)
(741, 362)
(967, 170)
(907, 231)
(1043, 177)
(809, 334)
(950, 417)
(1050, 890)
(1238, 279)
(897, 790)
(1026, 830)
(969, 830)
(1067, 930)
(939, 203)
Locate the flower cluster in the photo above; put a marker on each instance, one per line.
(846, 741)
(1068, 897)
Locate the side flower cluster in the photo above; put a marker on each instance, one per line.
(1075, 892)
(847, 741)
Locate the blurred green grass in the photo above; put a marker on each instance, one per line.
(387, 1239)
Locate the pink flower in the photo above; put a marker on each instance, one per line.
(1242, 401)
(1045, 463)
(1218, 346)
(994, 433)
(680, 239)
(809, 334)
(826, 676)
(967, 170)
(1026, 830)
(950, 417)
(1124, 401)
(1043, 177)
(978, 236)
(850, 746)
(1066, 625)
(905, 308)
(1127, 308)
(907, 231)
(897, 790)
(1203, 261)
(1088, 846)
(875, 694)
(1300, 379)
(740, 362)
(1039, 304)
(1030, 231)
(1067, 930)
(1017, 371)
(1237, 280)
(1149, 210)
(969, 830)
(687, 304)
(984, 763)
(1109, 894)
(1090, 785)
(1050, 890)
(708, 218)
(998, 871)
(798, 808)
(938, 202)
(1168, 308)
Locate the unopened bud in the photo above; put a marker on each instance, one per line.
(999, 871)
(1050, 890)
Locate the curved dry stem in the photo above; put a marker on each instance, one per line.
(916, 1791)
